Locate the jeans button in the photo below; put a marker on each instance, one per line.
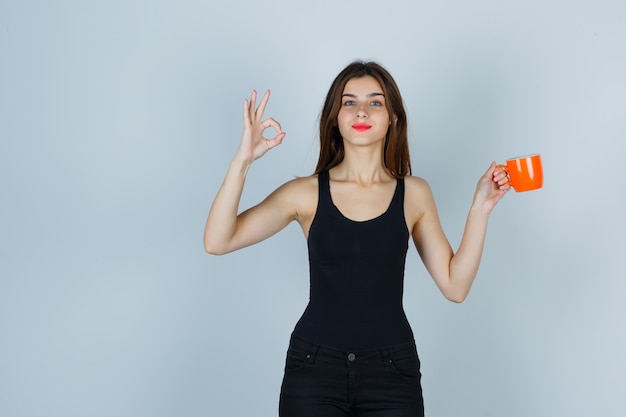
(351, 357)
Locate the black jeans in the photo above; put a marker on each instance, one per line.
(321, 381)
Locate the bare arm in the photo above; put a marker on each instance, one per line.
(454, 273)
(225, 230)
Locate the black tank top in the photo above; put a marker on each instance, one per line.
(357, 276)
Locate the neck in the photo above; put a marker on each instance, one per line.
(362, 165)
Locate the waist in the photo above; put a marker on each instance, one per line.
(304, 345)
(350, 332)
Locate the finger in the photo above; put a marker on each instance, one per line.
(275, 141)
(267, 123)
(502, 179)
(499, 171)
(252, 105)
(246, 112)
(499, 175)
(261, 109)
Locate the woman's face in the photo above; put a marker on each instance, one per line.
(363, 118)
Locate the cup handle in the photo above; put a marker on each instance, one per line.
(507, 172)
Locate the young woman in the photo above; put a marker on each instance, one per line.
(352, 353)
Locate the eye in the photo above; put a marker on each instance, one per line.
(376, 103)
(349, 103)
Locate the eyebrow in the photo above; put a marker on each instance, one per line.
(368, 96)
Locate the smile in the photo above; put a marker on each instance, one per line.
(361, 127)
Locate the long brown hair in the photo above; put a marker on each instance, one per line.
(396, 158)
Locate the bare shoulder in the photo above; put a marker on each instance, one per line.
(300, 193)
(300, 187)
(418, 199)
(416, 188)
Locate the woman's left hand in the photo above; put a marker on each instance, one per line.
(491, 187)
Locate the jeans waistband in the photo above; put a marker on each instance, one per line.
(315, 350)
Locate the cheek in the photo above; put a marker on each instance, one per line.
(342, 129)
(342, 118)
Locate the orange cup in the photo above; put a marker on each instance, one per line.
(525, 172)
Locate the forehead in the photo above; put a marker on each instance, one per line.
(363, 85)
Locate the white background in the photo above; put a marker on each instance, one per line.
(117, 123)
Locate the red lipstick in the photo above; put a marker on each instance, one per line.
(361, 127)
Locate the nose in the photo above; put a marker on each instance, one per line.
(360, 111)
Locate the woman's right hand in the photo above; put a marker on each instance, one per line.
(253, 144)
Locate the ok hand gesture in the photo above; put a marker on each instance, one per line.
(253, 144)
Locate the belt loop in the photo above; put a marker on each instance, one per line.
(386, 357)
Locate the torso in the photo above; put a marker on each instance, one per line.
(357, 202)
(358, 238)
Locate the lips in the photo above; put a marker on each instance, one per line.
(361, 127)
